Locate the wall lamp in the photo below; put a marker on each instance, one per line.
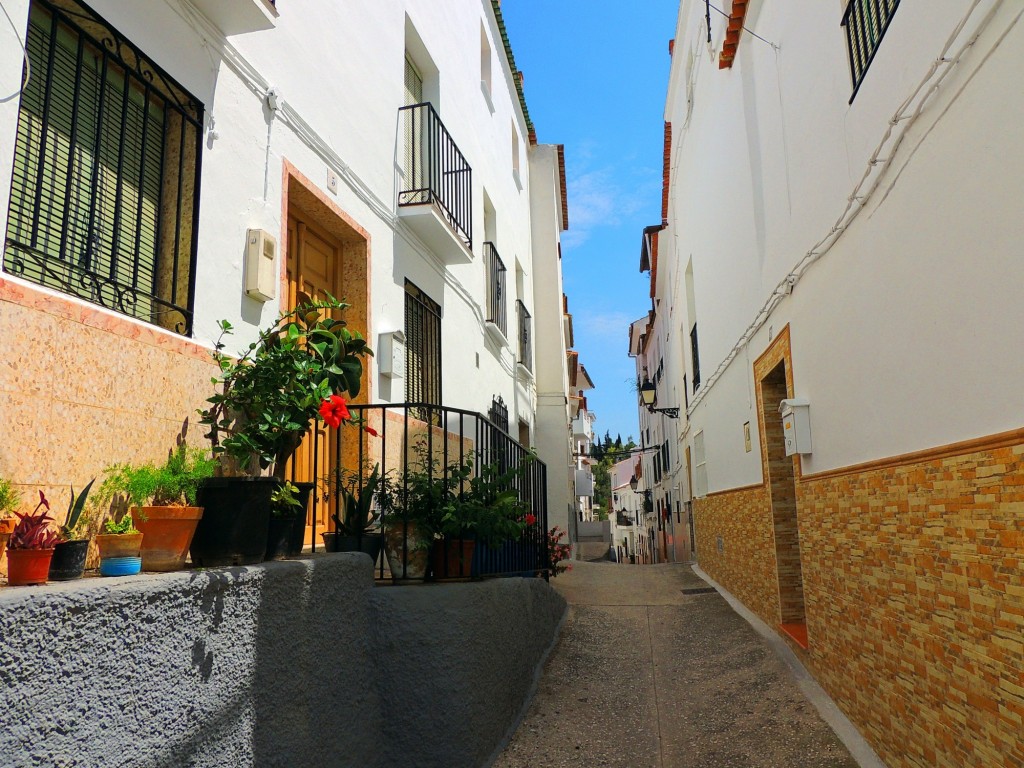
(648, 395)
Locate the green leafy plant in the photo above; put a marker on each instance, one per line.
(173, 483)
(284, 501)
(269, 395)
(121, 527)
(354, 514)
(33, 529)
(9, 498)
(73, 521)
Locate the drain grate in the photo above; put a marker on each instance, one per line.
(698, 591)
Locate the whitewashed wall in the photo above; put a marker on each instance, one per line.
(906, 334)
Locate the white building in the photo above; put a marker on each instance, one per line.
(582, 437)
(382, 153)
(841, 230)
(626, 510)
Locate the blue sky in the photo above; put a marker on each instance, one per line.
(595, 80)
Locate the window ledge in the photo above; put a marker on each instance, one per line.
(524, 371)
(236, 17)
(494, 334)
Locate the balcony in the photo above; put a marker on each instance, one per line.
(580, 428)
(525, 358)
(584, 483)
(235, 17)
(435, 195)
(497, 315)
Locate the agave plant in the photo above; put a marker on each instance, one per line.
(33, 529)
(356, 515)
(75, 507)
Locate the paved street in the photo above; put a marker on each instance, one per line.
(645, 675)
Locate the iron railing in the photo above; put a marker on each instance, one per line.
(434, 171)
(525, 336)
(105, 182)
(866, 22)
(431, 455)
(495, 288)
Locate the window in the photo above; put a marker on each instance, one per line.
(485, 62)
(515, 153)
(105, 183)
(866, 22)
(525, 336)
(695, 357)
(700, 480)
(495, 288)
(422, 347)
(498, 413)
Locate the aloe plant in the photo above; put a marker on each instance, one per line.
(356, 515)
(75, 508)
(33, 529)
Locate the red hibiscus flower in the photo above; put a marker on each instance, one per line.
(531, 519)
(371, 431)
(334, 411)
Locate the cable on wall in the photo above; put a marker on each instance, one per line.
(24, 53)
(877, 165)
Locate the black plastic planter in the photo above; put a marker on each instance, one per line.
(68, 560)
(236, 516)
(287, 534)
(370, 543)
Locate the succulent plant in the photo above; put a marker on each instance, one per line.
(33, 529)
(75, 507)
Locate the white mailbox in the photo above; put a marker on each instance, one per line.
(796, 425)
(390, 354)
(260, 278)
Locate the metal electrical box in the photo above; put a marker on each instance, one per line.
(796, 425)
(260, 277)
(390, 355)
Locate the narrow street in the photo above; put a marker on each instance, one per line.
(647, 674)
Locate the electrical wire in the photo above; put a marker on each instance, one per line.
(862, 193)
(24, 52)
(746, 29)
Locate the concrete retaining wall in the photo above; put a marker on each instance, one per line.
(293, 663)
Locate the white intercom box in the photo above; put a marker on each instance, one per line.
(390, 354)
(796, 425)
(260, 276)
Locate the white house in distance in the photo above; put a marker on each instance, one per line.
(173, 163)
(625, 512)
(582, 437)
(836, 292)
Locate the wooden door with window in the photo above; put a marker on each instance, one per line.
(314, 269)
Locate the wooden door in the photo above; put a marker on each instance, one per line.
(314, 268)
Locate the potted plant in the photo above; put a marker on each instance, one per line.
(408, 515)
(9, 501)
(120, 547)
(161, 501)
(31, 546)
(288, 505)
(71, 551)
(294, 373)
(355, 519)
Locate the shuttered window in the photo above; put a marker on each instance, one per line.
(865, 23)
(423, 347)
(104, 187)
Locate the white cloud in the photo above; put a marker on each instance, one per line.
(597, 199)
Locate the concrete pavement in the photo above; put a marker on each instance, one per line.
(647, 675)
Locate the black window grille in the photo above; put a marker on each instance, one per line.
(495, 288)
(422, 347)
(525, 336)
(866, 22)
(498, 413)
(105, 183)
(695, 357)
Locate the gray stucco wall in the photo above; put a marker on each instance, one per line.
(295, 663)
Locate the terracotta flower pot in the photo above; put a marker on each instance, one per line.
(452, 558)
(28, 566)
(167, 535)
(119, 545)
(407, 552)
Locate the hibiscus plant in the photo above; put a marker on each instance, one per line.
(268, 396)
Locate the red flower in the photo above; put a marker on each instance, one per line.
(334, 411)
(371, 431)
(531, 519)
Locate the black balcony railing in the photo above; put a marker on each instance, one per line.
(433, 458)
(434, 170)
(495, 288)
(866, 22)
(525, 336)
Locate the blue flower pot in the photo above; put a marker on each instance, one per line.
(120, 566)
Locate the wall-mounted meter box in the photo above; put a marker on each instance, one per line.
(390, 354)
(260, 276)
(796, 425)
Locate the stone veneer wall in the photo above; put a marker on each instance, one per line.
(81, 389)
(302, 662)
(914, 591)
(746, 563)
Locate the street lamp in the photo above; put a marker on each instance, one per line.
(648, 394)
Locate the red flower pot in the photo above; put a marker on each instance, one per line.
(167, 535)
(28, 566)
